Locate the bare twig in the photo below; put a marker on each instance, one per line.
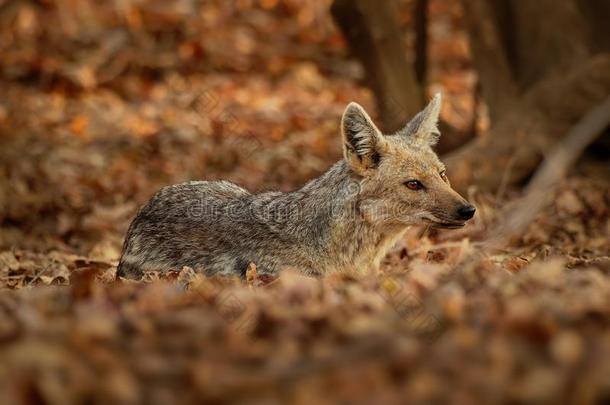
(541, 188)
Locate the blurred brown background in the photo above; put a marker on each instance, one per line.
(103, 103)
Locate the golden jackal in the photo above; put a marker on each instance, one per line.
(347, 218)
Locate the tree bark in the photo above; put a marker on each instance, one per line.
(420, 14)
(490, 60)
(597, 13)
(549, 35)
(374, 37)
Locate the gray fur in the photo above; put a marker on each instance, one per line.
(219, 228)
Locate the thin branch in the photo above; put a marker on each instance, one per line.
(539, 192)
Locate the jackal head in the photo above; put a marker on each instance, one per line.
(402, 180)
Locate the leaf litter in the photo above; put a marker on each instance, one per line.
(94, 117)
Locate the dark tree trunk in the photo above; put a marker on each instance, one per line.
(374, 37)
(490, 57)
(597, 13)
(549, 35)
(421, 40)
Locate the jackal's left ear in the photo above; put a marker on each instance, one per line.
(362, 141)
(423, 128)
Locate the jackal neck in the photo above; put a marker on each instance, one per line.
(337, 232)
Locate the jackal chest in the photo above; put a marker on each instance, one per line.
(367, 254)
(381, 248)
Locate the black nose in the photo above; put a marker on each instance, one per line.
(466, 211)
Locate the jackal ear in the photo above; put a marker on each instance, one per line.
(361, 139)
(423, 128)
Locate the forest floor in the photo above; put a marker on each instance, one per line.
(101, 106)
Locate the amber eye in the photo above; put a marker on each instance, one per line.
(414, 185)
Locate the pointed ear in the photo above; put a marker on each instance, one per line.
(361, 139)
(423, 129)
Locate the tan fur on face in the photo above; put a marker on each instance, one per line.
(403, 156)
(388, 202)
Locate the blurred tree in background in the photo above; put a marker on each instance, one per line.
(541, 66)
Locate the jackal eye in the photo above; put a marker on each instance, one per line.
(414, 185)
(443, 175)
